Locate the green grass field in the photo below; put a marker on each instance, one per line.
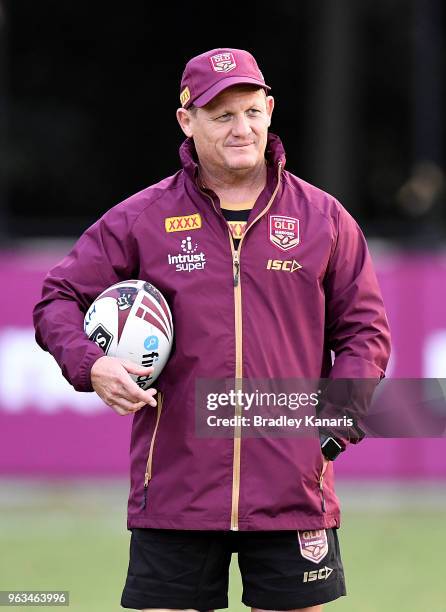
(73, 538)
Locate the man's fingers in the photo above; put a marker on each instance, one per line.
(133, 393)
(137, 370)
(111, 380)
(118, 410)
(148, 397)
(152, 392)
(123, 406)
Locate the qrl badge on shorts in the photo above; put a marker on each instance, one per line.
(284, 232)
(313, 544)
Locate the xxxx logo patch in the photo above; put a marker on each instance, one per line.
(181, 224)
(237, 228)
(185, 96)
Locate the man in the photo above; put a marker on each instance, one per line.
(283, 277)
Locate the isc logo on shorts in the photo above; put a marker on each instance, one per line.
(321, 574)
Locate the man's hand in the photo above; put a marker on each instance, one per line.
(111, 381)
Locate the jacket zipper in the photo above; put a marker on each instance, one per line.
(148, 472)
(321, 490)
(238, 385)
(239, 351)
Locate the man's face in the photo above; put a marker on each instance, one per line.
(230, 132)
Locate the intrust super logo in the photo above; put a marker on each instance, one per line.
(191, 258)
(182, 224)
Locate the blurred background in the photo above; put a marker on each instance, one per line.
(88, 94)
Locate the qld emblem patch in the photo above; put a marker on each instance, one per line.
(223, 62)
(284, 232)
(313, 544)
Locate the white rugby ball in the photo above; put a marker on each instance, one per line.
(132, 320)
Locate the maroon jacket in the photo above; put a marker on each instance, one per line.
(233, 317)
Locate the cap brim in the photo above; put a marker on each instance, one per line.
(217, 88)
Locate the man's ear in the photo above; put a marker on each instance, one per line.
(184, 118)
(269, 108)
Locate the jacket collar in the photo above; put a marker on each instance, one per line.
(274, 153)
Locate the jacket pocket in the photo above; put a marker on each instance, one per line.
(148, 472)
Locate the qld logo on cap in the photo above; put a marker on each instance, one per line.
(223, 62)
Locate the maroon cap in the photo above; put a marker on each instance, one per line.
(208, 74)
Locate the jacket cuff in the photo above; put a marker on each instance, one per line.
(355, 367)
(83, 381)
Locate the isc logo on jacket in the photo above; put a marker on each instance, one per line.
(289, 265)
